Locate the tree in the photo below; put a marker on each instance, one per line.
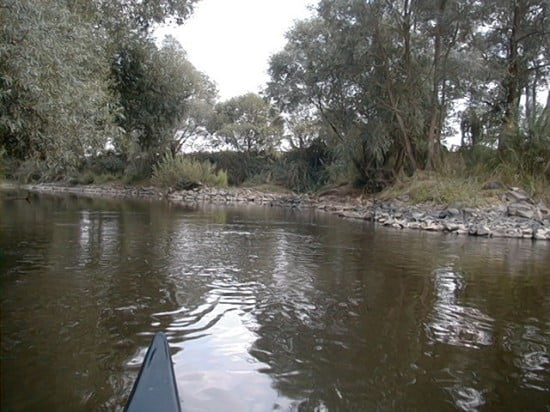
(56, 103)
(303, 126)
(156, 89)
(517, 50)
(385, 77)
(248, 123)
(334, 64)
(197, 120)
(121, 17)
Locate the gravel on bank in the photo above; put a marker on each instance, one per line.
(516, 216)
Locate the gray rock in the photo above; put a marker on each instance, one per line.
(453, 211)
(515, 194)
(432, 226)
(468, 212)
(414, 225)
(522, 210)
(448, 213)
(543, 209)
(451, 226)
(542, 233)
(499, 209)
(418, 216)
(479, 230)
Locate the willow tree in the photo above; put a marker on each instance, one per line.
(383, 76)
(56, 105)
(248, 123)
(63, 90)
(158, 90)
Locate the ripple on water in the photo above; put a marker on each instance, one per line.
(467, 398)
(528, 346)
(452, 322)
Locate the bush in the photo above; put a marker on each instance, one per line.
(305, 169)
(240, 166)
(33, 170)
(87, 178)
(108, 162)
(181, 172)
(139, 168)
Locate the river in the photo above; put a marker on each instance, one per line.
(266, 309)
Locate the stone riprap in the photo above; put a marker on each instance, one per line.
(516, 216)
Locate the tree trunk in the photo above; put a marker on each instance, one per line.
(511, 82)
(434, 131)
(405, 135)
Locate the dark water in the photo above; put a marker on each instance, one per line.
(266, 309)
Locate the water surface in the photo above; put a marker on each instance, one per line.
(266, 309)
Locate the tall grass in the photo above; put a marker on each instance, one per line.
(462, 176)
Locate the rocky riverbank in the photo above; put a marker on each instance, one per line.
(516, 215)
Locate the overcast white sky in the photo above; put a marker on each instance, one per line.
(231, 40)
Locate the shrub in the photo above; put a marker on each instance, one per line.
(139, 168)
(183, 172)
(87, 178)
(108, 162)
(304, 169)
(240, 166)
(33, 170)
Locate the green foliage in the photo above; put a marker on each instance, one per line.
(525, 161)
(33, 170)
(303, 170)
(155, 88)
(241, 166)
(248, 123)
(181, 172)
(383, 77)
(88, 177)
(108, 162)
(361, 92)
(73, 72)
(121, 17)
(139, 167)
(439, 188)
(54, 90)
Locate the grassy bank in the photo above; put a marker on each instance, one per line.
(472, 190)
(463, 179)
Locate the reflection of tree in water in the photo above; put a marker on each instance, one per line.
(454, 323)
(325, 328)
(339, 317)
(484, 360)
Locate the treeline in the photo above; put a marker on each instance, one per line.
(81, 76)
(363, 91)
(382, 82)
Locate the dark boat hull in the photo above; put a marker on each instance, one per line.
(155, 388)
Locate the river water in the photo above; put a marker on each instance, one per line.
(266, 309)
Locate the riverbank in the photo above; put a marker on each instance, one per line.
(515, 215)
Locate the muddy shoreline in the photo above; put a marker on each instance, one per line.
(516, 216)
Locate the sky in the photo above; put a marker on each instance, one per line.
(231, 40)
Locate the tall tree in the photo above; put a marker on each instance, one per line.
(248, 123)
(156, 89)
(56, 105)
(194, 128)
(119, 17)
